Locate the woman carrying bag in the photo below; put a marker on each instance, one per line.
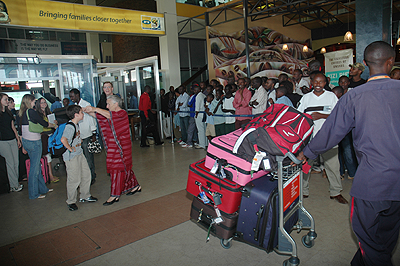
(43, 110)
(31, 127)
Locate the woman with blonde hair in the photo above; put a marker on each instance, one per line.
(43, 110)
(32, 144)
(9, 143)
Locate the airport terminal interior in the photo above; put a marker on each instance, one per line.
(153, 226)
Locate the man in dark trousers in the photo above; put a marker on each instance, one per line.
(148, 119)
(375, 202)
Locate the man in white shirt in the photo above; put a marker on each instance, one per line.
(200, 124)
(258, 101)
(319, 104)
(88, 127)
(181, 104)
(300, 81)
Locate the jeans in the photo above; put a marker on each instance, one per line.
(36, 184)
(184, 127)
(89, 157)
(347, 156)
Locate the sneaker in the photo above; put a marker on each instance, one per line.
(72, 207)
(41, 196)
(17, 189)
(181, 143)
(198, 147)
(90, 199)
(187, 146)
(50, 190)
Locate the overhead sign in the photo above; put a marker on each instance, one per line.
(38, 47)
(337, 64)
(61, 15)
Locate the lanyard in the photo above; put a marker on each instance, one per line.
(379, 77)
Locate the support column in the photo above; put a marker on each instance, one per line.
(373, 23)
(92, 39)
(46, 86)
(169, 44)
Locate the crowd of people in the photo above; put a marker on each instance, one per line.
(345, 125)
(32, 137)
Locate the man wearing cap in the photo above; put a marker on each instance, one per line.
(355, 75)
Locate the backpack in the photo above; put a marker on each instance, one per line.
(56, 148)
(281, 129)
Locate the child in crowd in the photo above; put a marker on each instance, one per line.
(281, 96)
(344, 82)
(227, 108)
(210, 129)
(78, 171)
(219, 121)
(338, 91)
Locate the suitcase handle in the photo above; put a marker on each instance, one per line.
(259, 215)
(207, 190)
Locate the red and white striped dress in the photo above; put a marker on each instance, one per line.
(116, 136)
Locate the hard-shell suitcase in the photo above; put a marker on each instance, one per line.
(258, 214)
(239, 168)
(203, 215)
(4, 184)
(200, 179)
(44, 166)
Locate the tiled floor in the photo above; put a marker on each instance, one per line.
(152, 227)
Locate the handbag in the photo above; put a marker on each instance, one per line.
(94, 146)
(34, 127)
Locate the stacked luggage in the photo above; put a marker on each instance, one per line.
(239, 186)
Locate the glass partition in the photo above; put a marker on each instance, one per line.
(77, 72)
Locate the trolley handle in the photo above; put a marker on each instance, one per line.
(293, 158)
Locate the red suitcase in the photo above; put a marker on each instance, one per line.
(200, 179)
(221, 148)
(44, 166)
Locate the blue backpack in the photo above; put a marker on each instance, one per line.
(56, 148)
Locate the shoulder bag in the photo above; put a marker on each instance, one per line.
(34, 127)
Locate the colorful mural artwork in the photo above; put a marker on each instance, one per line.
(267, 56)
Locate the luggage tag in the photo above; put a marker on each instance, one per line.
(267, 164)
(257, 159)
(214, 168)
(203, 197)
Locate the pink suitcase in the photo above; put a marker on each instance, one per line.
(44, 166)
(221, 148)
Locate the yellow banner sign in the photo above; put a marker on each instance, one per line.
(51, 14)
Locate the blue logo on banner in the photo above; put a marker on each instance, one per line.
(145, 21)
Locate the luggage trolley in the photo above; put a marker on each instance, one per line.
(290, 194)
(290, 201)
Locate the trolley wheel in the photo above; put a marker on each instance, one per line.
(226, 243)
(307, 242)
(292, 261)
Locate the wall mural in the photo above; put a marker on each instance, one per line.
(267, 58)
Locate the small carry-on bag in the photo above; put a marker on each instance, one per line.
(43, 165)
(258, 219)
(209, 186)
(238, 168)
(281, 129)
(205, 214)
